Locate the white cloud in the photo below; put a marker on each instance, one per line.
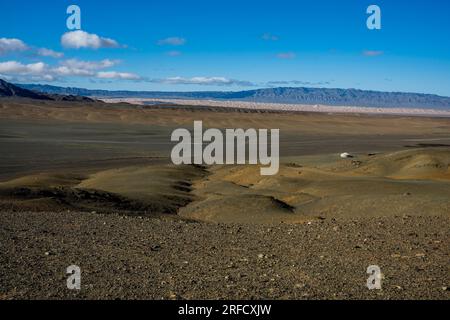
(208, 81)
(44, 52)
(68, 68)
(28, 78)
(172, 41)
(17, 45)
(81, 39)
(10, 45)
(67, 71)
(117, 75)
(16, 71)
(14, 67)
(286, 55)
(89, 65)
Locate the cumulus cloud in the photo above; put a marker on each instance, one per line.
(172, 41)
(44, 52)
(68, 68)
(270, 37)
(80, 39)
(67, 72)
(75, 67)
(89, 65)
(373, 53)
(207, 81)
(14, 67)
(17, 45)
(13, 70)
(117, 75)
(11, 45)
(286, 55)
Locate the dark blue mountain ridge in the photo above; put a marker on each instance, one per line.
(294, 95)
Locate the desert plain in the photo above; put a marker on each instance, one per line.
(92, 185)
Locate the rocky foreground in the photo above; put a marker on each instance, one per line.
(134, 257)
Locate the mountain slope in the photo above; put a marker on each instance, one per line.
(9, 90)
(13, 91)
(326, 96)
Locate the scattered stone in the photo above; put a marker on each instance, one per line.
(356, 163)
(155, 248)
(174, 296)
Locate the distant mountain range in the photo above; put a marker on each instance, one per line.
(10, 90)
(325, 96)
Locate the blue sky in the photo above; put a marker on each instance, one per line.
(229, 45)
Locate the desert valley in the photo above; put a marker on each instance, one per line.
(91, 183)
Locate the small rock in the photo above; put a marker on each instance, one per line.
(174, 296)
(155, 248)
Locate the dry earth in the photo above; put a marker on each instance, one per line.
(91, 184)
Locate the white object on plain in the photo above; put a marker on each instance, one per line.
(346, 155)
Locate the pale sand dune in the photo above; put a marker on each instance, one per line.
(412, 182)
(285, 106)
(147, 189)
(166, 187)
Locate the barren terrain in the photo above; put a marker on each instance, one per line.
(93, 185)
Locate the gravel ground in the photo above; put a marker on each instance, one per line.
(133, 257)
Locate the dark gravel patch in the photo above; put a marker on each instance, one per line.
(144, 258)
